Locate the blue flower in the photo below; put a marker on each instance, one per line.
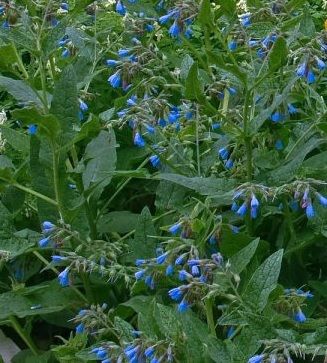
(83, 106)
(149, 27)
(245, 19)
(149, 281)
(183, 306)
(139, 274)
(235, 229)
(229, 164)
(234, 207)
(131, 351)
(44, 242)
(322, 200)
(64, 6)
(223, 153)
(162, 258)
(215, 126)
(155, 360)
(165, 18)
(80, 328)
(48, 227)
(140, 262)
(162, 122)
(32, 129)
(212, 239)
(320, 64)
(309, 211)
(253, 43)
(232, 91)
(188, 32)
(150, 129)
(111, 63)
(6, 25)
(56, 258)
(291, 109)
(149, 351)
(254, 213)
(123, 52)
(299, 316)
(230, 332)
(115, 79)
(175, 293)
(242, 209)
(195, 270)
(63, 277)
(256, 359)
(174, 30)
(155, 161)
(65, 53)
(311, 77)
(301, 70)
(179, 260)
(101, 353)
(279, 145)
(173, 116)
(138, 140)
(183, 275)
(254, 201)
(276, 117)
(120, 8)
(175, 228)
(169, 270)
(107, 360)
(132, 101)
(232, 45)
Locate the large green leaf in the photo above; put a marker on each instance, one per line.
(220, 189)
(143, 246)
(64, 103)
(20, 90)
(242, 258)
(193, 86)
(121, 222)
(263, 281)
(100, 161)
(278, 54)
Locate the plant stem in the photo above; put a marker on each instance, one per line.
(33, 192)
(23, 334)
(209, 313)
(20, 63)
(198, 161)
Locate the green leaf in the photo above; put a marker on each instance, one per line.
(124, 329)
(307, 26)
(228, 7)
(168, 320)
(7, 55)
(100, 158)
(220, 189)
(228, 66)
(263, 281)
(186, 65)
(120, 222)
(64, 103)
(49, 298)
(242, 258)
(205, 14)
(278, 55)
(16, 139)
(193, 86)
(143, 246)
(20, 90)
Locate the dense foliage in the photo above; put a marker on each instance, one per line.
(163, 180)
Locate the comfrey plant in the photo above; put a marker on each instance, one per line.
(163, 180)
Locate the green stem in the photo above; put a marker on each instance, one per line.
(55, 166)
(36, 194)
(121, 187)
(289, 222)
(41, 258)
(209, 314)
(20, 63)
(198, 160)
(87, 287)
(26, 338)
